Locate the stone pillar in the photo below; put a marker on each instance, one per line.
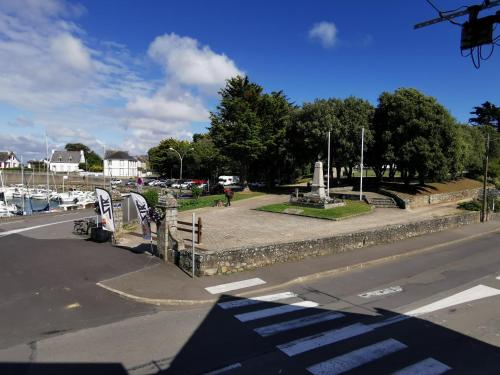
(117, 213)
(318, 185)
(169, 243)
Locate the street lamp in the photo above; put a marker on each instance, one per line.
(180, 157)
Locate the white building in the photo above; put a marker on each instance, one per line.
(66, 161)
(8, 160)
(143, 165)
(120, 164)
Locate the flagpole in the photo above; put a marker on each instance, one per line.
(328, 174)
(362, 154)
(48, 165)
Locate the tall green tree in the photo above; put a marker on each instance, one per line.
(236, 126)
(307, 134)
(418, 132)
(275, 114)
(353, 114)
(486, 114)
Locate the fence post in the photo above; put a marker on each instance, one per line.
(199, 230)
(193, 232)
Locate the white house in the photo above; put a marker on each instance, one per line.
(8, 160)
(66, 161)
(120, 164)
(143, 165)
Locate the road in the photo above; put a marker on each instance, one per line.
(432, 313)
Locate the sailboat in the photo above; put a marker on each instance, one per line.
(6, 209)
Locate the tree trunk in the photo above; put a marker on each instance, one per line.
(392, 172)
(339, 174)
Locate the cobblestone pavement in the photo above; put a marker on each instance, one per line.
(241, 224)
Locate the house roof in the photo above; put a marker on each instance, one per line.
(4, 156)
(142, 158)
(66, 157)
(118, 155)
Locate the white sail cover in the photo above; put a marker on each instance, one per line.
(106, 207)
(141, 206)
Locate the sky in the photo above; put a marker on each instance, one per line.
(125, 74)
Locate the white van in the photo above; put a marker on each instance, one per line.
(229, 180)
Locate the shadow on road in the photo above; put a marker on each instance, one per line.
(248, 337)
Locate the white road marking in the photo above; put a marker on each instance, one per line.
(498, 278)
(272, 311)
(469, 295)
(306, 344)
(428, 366)
(381, 292)
(274, 329)
(224, 369)
(20, 230)
(222, 288)
(255, 300)
(356, 358)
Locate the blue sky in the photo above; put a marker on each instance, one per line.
(125, 74)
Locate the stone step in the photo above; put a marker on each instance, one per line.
(386, 202)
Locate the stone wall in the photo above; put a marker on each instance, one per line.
(426, 200)
(246, 258)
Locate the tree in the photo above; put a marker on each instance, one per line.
(235, 126)
(93, 162)
(486, 114)
(307, 134)
(352, 114)
(205, 159)
(275, 113)
(164, 161)
(417, 134)
(76, 147)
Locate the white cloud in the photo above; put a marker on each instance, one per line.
(71, 52)
(188, 63)
(79, 89)
(160, 108)
(325, 33)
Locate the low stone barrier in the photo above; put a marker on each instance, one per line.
(227, 261)
(426, 200)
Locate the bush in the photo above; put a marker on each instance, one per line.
(196, 191)
(474, 205)
(151, 197)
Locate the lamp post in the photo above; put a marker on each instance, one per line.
(180, 157)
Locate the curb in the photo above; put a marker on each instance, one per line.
(297, 280)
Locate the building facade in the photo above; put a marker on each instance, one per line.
(120, 164)
(9, 160)
(66, 161)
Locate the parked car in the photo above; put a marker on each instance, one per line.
(229, 180)
(116, 181)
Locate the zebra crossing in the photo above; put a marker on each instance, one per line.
(290, 320)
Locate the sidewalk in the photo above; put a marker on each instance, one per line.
(166, 284)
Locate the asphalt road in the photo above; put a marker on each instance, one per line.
(362, 322)
(48, 280)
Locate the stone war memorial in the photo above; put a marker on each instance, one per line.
(317, 197)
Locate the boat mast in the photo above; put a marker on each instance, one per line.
(48, 164)
(23, 195)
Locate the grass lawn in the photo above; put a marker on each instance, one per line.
(208, 201)
(434, 187)
(351, 208)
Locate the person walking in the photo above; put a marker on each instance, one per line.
(229, 195)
